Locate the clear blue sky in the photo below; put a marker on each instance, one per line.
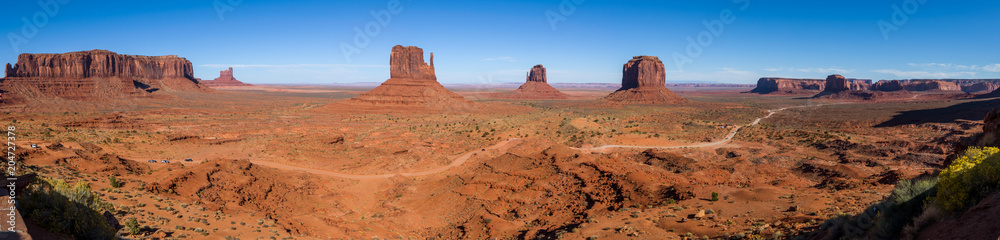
(292, 42)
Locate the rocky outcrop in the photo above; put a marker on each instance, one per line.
(887, 86)
(408, 62)
(932, 85)
(535, 87)
(916, 86)
(643, 82)
(991, 129)
(788, 85)
(980, 87)
(225, 79)
(837, 83)
(412, 84)
(537, 74)
(94, 75)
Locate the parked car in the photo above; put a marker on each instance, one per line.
(34, 145)
(152, 161)
(188, 160)
(483, 149)
(165, 161)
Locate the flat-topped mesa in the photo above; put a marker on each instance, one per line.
(643, 71)
(412, 84)
(788, 85)
(408, 62)
(225, 79)
(94, 75)
(644, 82)
(100, 63)
(837, 83)
(537, 74)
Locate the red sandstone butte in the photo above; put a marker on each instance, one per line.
(412, 82)
(788, 85)
(643, 82)
(94, 75)
(535, 87)
(225, 79)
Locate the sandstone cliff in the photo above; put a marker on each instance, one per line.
(412, 84)
(535, 87)
(837, 83)
(94, 75)
(225, 79)
(788, 85)
(643, 82)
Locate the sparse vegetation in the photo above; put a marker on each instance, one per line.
(75, 211)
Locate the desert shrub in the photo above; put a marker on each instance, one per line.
(715, 196)
(905, 203)
(132, 226)
(970, 178)
(114, 182)
(931, 215)
(75, 211)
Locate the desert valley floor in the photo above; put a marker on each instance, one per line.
(285, 161)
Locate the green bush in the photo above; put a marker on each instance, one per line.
(970, 178)
(74, 211)
(715, 196)
(114, 182)
(132, 226)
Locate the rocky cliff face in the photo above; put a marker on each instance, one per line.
(916, 85)
(643, 71)
(537, 74)
(980, 87)
(643, 82)
(100, 63)
(412, 84)
(225, 79)
(837, 83)
(788, 85)
(408, 62)
(94, 75)
(535, 87)
(931, 85)
(888, 86)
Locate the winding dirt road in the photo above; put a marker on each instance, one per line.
(708, 144)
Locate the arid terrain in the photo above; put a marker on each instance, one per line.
(274, 161)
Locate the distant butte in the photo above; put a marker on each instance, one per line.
(412, 83)
(225, 79)
(535, 87)
(643, 82)
(94, 75)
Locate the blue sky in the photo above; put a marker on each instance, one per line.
(301, 42)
